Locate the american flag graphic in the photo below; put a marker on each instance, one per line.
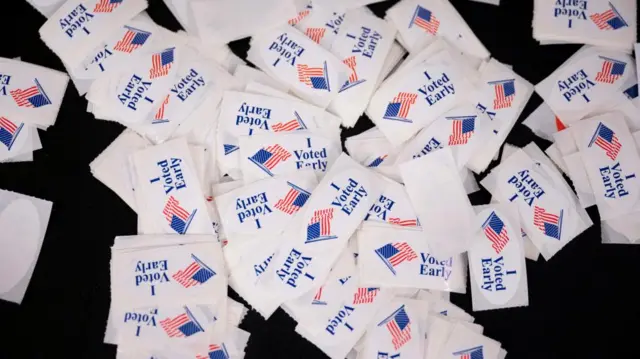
(398, 109)
(394, 254)
(353, 77)
(293, 125)
(106, 5)
(399, 326)
(376, 161)
(425, 20)
(365, 295)
(319, 228)
(131, 40)
(317, 299)
(268, 158)
(605, 138)
(178, 218)
(462, 129)
(215, 352)
(404, 222)
(294, 200)
(315, 33)
(505, 92)
(473, 353)
(195, 273)
(496, 232)
(33, 96)
(314, 77)
(161, 63)
(608, 20)
(549, 223)
(183, 325)
(611, 70)
(301, 15)
(159, 116)
(9, 131)
(230, 148)
(351, 63)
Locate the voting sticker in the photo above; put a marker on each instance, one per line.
(79, 26)
(313, 73)
(264, 206)
(269, 155)
(496, 260)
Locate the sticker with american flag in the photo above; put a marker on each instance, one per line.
(301, 15)
(32, 97)
(160, 116)
(181, 326)
(315, 33)
(376, 161)
(399, 326)
(293, 125)
(179, 219)
(496, 231)
(161, 63)
(394, 254)
(9, 131)
(504, 93)
(611, 71)
(314, 77)
(548, 223)
(411, 222)
(424, 19)
(106, 6)
(462, 128)
(293, 200)
(268, 158)
(353, 76)
(196, 273)
(215, 352)
(365, 295)
(606, 139)
(317, 298)
(319, 228)
(132, 39)
(471, 353)
(609, 19)
(398, 108)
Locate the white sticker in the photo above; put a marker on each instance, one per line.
(496, 260)
(168, 193)
(312, 73)
(267, 155)
(78, 27)
(402, 258)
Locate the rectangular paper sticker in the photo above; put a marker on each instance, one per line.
(168, 194)
(401, 258)
(313, 73)
(269, 155)
(192, 273)
(79, 26)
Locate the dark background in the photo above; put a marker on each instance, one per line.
(583, 303)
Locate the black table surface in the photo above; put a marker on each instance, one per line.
(582, 303)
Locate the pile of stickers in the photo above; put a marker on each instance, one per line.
(238, 177)
(30, 96)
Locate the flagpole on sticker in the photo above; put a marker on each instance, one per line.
(15, 136)
(560, 225)
(42, 90)
(193, 256)
(193, 319)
